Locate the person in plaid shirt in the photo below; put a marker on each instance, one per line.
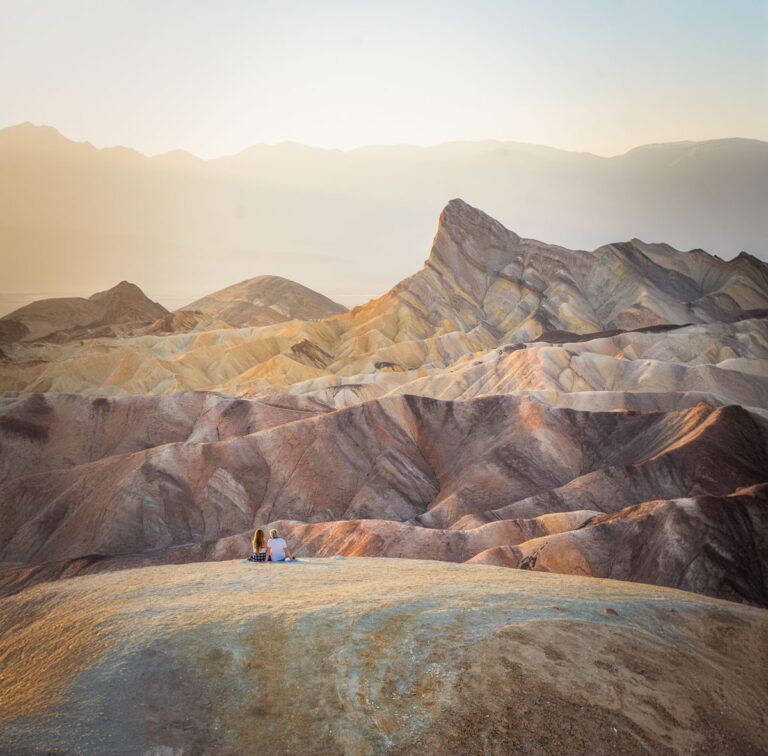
(260, 548)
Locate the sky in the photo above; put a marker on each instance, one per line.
(216, 77)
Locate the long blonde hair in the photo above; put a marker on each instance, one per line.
(258, 540)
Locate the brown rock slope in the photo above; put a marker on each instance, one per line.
(40, 433)
(377, 656)
(436, 465)
(482, 286)
(716, 545)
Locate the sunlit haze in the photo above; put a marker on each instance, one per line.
(214, 78)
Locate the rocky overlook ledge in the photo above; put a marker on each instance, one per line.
(372, 656)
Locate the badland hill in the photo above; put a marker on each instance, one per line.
(67, 317)
(265, 300)
(575, 415)
(513, 403)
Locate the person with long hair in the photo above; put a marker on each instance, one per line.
(261, 551)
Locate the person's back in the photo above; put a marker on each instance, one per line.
(278, 547)
(260, 550)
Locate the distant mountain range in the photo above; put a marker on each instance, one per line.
(346, 223)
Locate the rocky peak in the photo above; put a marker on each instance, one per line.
(28, 138)
(122, 289)
(126, 302)
(748, 258)
(467, 235)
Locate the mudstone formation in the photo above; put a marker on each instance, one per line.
(596, 414)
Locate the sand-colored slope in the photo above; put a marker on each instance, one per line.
(720, 363)
(377, 656)
(155, 364)
(263, 301)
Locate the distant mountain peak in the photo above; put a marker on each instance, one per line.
(122, 288)
(29, 137)
(265, 300)
(466, 232)
(125, 302)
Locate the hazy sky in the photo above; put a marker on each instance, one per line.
(215, 77)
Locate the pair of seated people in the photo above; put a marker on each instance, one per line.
(273, 550)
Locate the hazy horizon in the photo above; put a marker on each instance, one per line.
(327, 137)
(214, 79)
(373, 146)
(351, 224)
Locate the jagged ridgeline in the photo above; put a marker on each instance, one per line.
(513, 403)
(482, 287)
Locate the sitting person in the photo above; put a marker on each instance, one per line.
(278, 547)
(261, 550)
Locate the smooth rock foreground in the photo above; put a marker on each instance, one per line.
(367, 656)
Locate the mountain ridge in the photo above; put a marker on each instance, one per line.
(512, 402)
(175, 218)
(48, 132)
(482, 287)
